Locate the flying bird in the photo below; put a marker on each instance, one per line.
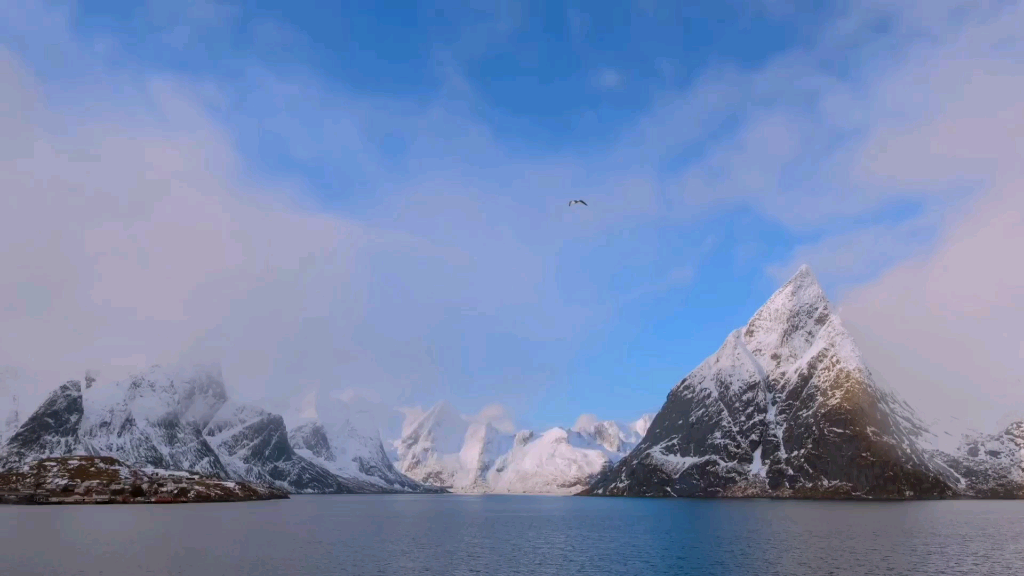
(571, 202)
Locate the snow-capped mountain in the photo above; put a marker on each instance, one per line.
(616, 437)
(341, 436)
(559, 461)
(990, 465)
(183, 420)
(253, 445)
(156, 418)
(786, 407)
(445, 448)
(429, 449)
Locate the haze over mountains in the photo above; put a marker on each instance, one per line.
(183, 419)
(786, 407)
(443, 447)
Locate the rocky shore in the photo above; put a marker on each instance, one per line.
(105, 480)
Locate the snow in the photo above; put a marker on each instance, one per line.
(673, 463)
(616, 438)
(180, 418)
(446, 448)
(155, 417)
(757, 468)
(351, 423)
(740, 390)
(641, 425)
(549, 463)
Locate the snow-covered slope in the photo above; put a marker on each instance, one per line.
(342, 437)
(51, 431)
(429, 450)
(183, 420)
(254, 446)
(558, 461)
(445, 448)
(616, 437)
(785, 407)
(991, 465)
(156, 419)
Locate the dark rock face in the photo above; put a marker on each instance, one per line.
(156, 419)
(313, 437)
(991, 465)
(255, 446)
(785, 407)
(351, 452)
(52, 430)
(379, 465)
(167, 443)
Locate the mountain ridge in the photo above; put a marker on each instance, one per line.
(445, 448)
(182, 419)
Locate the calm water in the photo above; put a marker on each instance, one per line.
(503, 535)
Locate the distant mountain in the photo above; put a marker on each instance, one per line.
(341, 437)
(181, 420)
(616, 437)
(990, 465)
(445, 448)
(786, 407)
(253, 445)
(430, 450)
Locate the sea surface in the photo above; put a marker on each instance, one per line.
(505, 535)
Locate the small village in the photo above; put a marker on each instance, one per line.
(103, 480)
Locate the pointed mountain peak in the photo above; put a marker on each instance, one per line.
(802, 284)
(789, 322)
(69, 388)
(800, 294)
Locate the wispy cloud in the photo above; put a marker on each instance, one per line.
(608, 79)
(145, 231)
(941, 325)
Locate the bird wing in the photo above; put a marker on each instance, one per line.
(582, 202)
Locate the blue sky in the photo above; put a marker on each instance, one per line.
(719, 144)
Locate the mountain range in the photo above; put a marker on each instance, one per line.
(444, 448)
(178, 419)
(786, 407)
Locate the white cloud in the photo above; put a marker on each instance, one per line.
(140, 232)
(944, 327)
(139, 240)
(497, 416)
(851, 258)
